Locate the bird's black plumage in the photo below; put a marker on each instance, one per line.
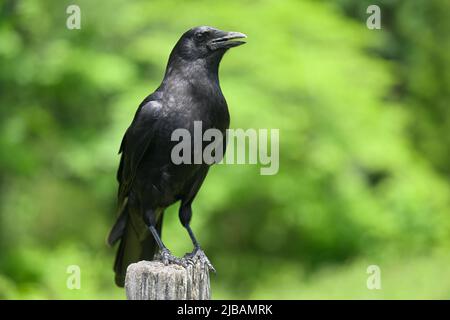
(148, 179)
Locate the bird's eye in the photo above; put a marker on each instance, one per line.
(201, 35)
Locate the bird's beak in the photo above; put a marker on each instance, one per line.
(226, 40)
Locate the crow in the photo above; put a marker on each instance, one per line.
(149, 181)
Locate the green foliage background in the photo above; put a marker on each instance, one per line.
(364, 145)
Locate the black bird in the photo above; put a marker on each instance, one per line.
(148, 179)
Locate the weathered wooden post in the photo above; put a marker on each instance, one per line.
(152, 280)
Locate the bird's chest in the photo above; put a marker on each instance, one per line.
(202, 104)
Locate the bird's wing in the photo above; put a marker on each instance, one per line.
(135, 143)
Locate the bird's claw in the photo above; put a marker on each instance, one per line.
(198, 255)
(190, 259)
(167, 258)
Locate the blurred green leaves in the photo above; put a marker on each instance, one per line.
(363, 143)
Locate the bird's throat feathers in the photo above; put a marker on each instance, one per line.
(207, 67)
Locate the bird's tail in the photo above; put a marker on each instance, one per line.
(132, 249)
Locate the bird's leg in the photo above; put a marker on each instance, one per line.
(197, 253)
(151, 219)
(165, 255)
(185, 215)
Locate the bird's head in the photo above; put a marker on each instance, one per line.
(204, 42)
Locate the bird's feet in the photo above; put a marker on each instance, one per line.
(198, 255)
(167, 258)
